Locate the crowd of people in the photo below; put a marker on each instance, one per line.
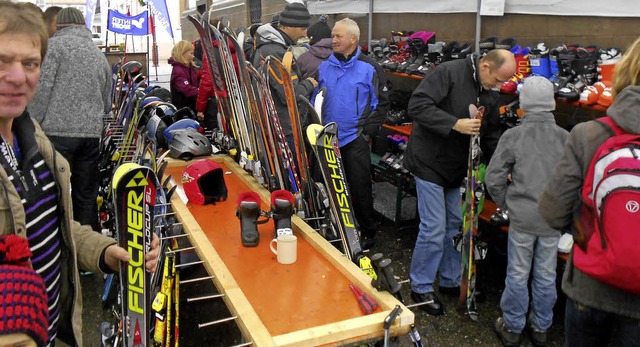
(50, 120)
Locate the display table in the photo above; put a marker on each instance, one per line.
(307, 303)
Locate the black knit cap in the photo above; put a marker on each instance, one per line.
(295, 15)
(318, 31)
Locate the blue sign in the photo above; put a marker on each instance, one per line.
(129, 25)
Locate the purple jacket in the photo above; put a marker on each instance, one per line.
(311, 59)
(184, 85)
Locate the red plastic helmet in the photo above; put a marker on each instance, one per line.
(203, 182)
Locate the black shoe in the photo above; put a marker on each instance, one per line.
(430, 302)
(450, 291)
(507, 337)
(538, 338)
(366, 242)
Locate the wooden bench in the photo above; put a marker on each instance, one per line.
(307, 303)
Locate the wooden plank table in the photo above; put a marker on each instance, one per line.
(307, 303)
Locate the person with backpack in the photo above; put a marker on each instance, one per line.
(517, 173)
(601, 310)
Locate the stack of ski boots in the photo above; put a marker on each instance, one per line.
(600, 92)
(398, 50)
(394, 158)
(577, 68)
(418, 46)
(487, 44)
(398, 104)
(539, 61)
(523, 69)
(379, 50)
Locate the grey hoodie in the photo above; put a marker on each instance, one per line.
(273, 42)
(559, 202)
(74, 90)
(529, 153)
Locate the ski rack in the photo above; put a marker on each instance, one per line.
(320, 309)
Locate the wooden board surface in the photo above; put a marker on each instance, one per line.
(306, 303)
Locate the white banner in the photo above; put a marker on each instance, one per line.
(600, 8)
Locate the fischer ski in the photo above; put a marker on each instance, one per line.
(324, 141)
(134, 197)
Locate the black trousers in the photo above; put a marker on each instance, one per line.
(83, 157)
(356, 158)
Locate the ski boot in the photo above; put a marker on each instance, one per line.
(539, 60)
(488, 44)
(281, 211)
(606, 64)
(248, 212)
(507, 43)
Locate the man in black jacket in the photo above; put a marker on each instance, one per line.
(437, 156)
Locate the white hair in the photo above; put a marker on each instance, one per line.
(351, 26)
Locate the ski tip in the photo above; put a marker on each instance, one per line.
(313, 131)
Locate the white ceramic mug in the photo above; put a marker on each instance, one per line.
(287, 249)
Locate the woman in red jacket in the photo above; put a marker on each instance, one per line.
(184, 79)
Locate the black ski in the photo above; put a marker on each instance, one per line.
(134, 197)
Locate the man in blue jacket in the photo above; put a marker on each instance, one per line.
(437, 156)
(357, 101)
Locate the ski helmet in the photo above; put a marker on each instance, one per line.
(150, 101)
(165, 111)
(155, 127)
(184, 113)
(203, 182)
(189, 143)
(160, 92)
(180, 125)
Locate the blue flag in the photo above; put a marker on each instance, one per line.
(128, 25)
(161, 14)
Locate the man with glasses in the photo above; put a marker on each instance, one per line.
(437, 156)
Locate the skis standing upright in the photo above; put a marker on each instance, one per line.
(473, 193)
(135, 188)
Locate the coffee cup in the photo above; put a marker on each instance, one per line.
(286, 249)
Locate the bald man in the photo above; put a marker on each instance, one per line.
(437, 156)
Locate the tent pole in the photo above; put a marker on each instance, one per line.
(369, 32)
(478, 27)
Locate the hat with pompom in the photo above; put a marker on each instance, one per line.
(23, 295)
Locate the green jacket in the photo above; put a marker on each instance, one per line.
(81, 246)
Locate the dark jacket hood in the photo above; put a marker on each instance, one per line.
(322, 49)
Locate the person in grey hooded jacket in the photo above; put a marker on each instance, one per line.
(596, 314)
(73, 94)
(517, 173)
(274, 40)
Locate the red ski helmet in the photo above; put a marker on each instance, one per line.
(203, 182)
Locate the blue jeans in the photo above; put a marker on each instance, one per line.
(585, 327)
(530, 254)
(440, 219)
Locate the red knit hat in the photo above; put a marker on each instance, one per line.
(23, 295)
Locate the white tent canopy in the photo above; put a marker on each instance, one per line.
(601, 8)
